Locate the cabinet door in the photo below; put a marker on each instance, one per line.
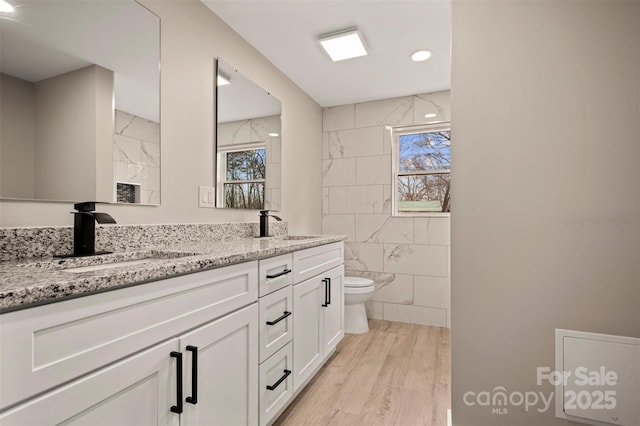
(333, 313)
(307, 329)
(139, 390)
(226, 373)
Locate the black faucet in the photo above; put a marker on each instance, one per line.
(84, 228)
(264, 222)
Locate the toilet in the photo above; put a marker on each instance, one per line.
(356, 292)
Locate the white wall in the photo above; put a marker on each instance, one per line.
(72, 126)
(546, 172)
(192, 37)
(17, 136)
(414, 286)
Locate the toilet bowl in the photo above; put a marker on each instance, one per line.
(356, 291)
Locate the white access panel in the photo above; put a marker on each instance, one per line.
(602, 385)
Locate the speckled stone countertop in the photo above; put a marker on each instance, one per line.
(31, 282)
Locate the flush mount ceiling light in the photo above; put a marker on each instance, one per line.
(222, 80)
(420, 55)
(274, 135)
(430, 115)
(343, 45)
(5, 7)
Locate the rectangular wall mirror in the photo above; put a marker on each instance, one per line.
(248, 143)
(80, 101)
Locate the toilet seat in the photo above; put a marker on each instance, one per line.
(356, 282)
(359, 290)
(357, 285)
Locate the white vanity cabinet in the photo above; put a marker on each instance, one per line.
(206, 376)
(127, 356)
(318, 323)
(196, 349)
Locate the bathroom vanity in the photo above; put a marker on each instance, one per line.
(224, 333)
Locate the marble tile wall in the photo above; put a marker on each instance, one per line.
(136, 154)
(407, 257)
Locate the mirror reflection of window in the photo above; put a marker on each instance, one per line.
(244, 181)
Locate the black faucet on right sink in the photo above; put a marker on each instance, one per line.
(264, 222)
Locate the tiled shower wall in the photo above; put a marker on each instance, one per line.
(407, 257)
(136, 154)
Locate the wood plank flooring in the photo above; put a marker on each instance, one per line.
(397, 374)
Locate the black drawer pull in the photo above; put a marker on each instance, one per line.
(178, 356)
(329, 288)
(326, 292)
(280, 380)
(193, 399)
(284, 315)
(279, 274)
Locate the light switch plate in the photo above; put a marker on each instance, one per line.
(206, 196)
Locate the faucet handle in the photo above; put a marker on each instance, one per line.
(86, 206)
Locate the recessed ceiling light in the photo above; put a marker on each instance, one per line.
(430, 115)
(222, 80)
(420, 55)
(343, 45)
(6, 7)
(274, 135)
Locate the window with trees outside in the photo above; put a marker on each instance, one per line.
(244, 177)
(422, 170)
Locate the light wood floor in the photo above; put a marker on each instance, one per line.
(397, 374)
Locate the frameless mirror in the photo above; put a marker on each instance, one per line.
(80, 101)
(248, 143)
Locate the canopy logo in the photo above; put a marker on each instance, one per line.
(581, 393)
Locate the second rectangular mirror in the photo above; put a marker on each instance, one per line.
(248, 143)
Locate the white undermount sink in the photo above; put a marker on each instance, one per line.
(300, 237)
(105, 261)
(101, 266)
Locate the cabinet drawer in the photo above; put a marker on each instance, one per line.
(276, 321)
(273, 273)
(276, 383)
(311, 262)
(44, 346)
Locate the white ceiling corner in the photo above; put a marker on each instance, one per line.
(286, 33)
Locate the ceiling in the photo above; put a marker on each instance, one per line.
(286, 33)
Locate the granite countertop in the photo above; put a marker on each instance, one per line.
(33, 282)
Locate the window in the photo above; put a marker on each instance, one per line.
(242, 173)
(422, 170)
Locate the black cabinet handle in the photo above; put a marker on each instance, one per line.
(193, 399)
(279, 274)
(329, 288)
(178, 356)
(326, 292)
(280, 380)
(275, 321)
